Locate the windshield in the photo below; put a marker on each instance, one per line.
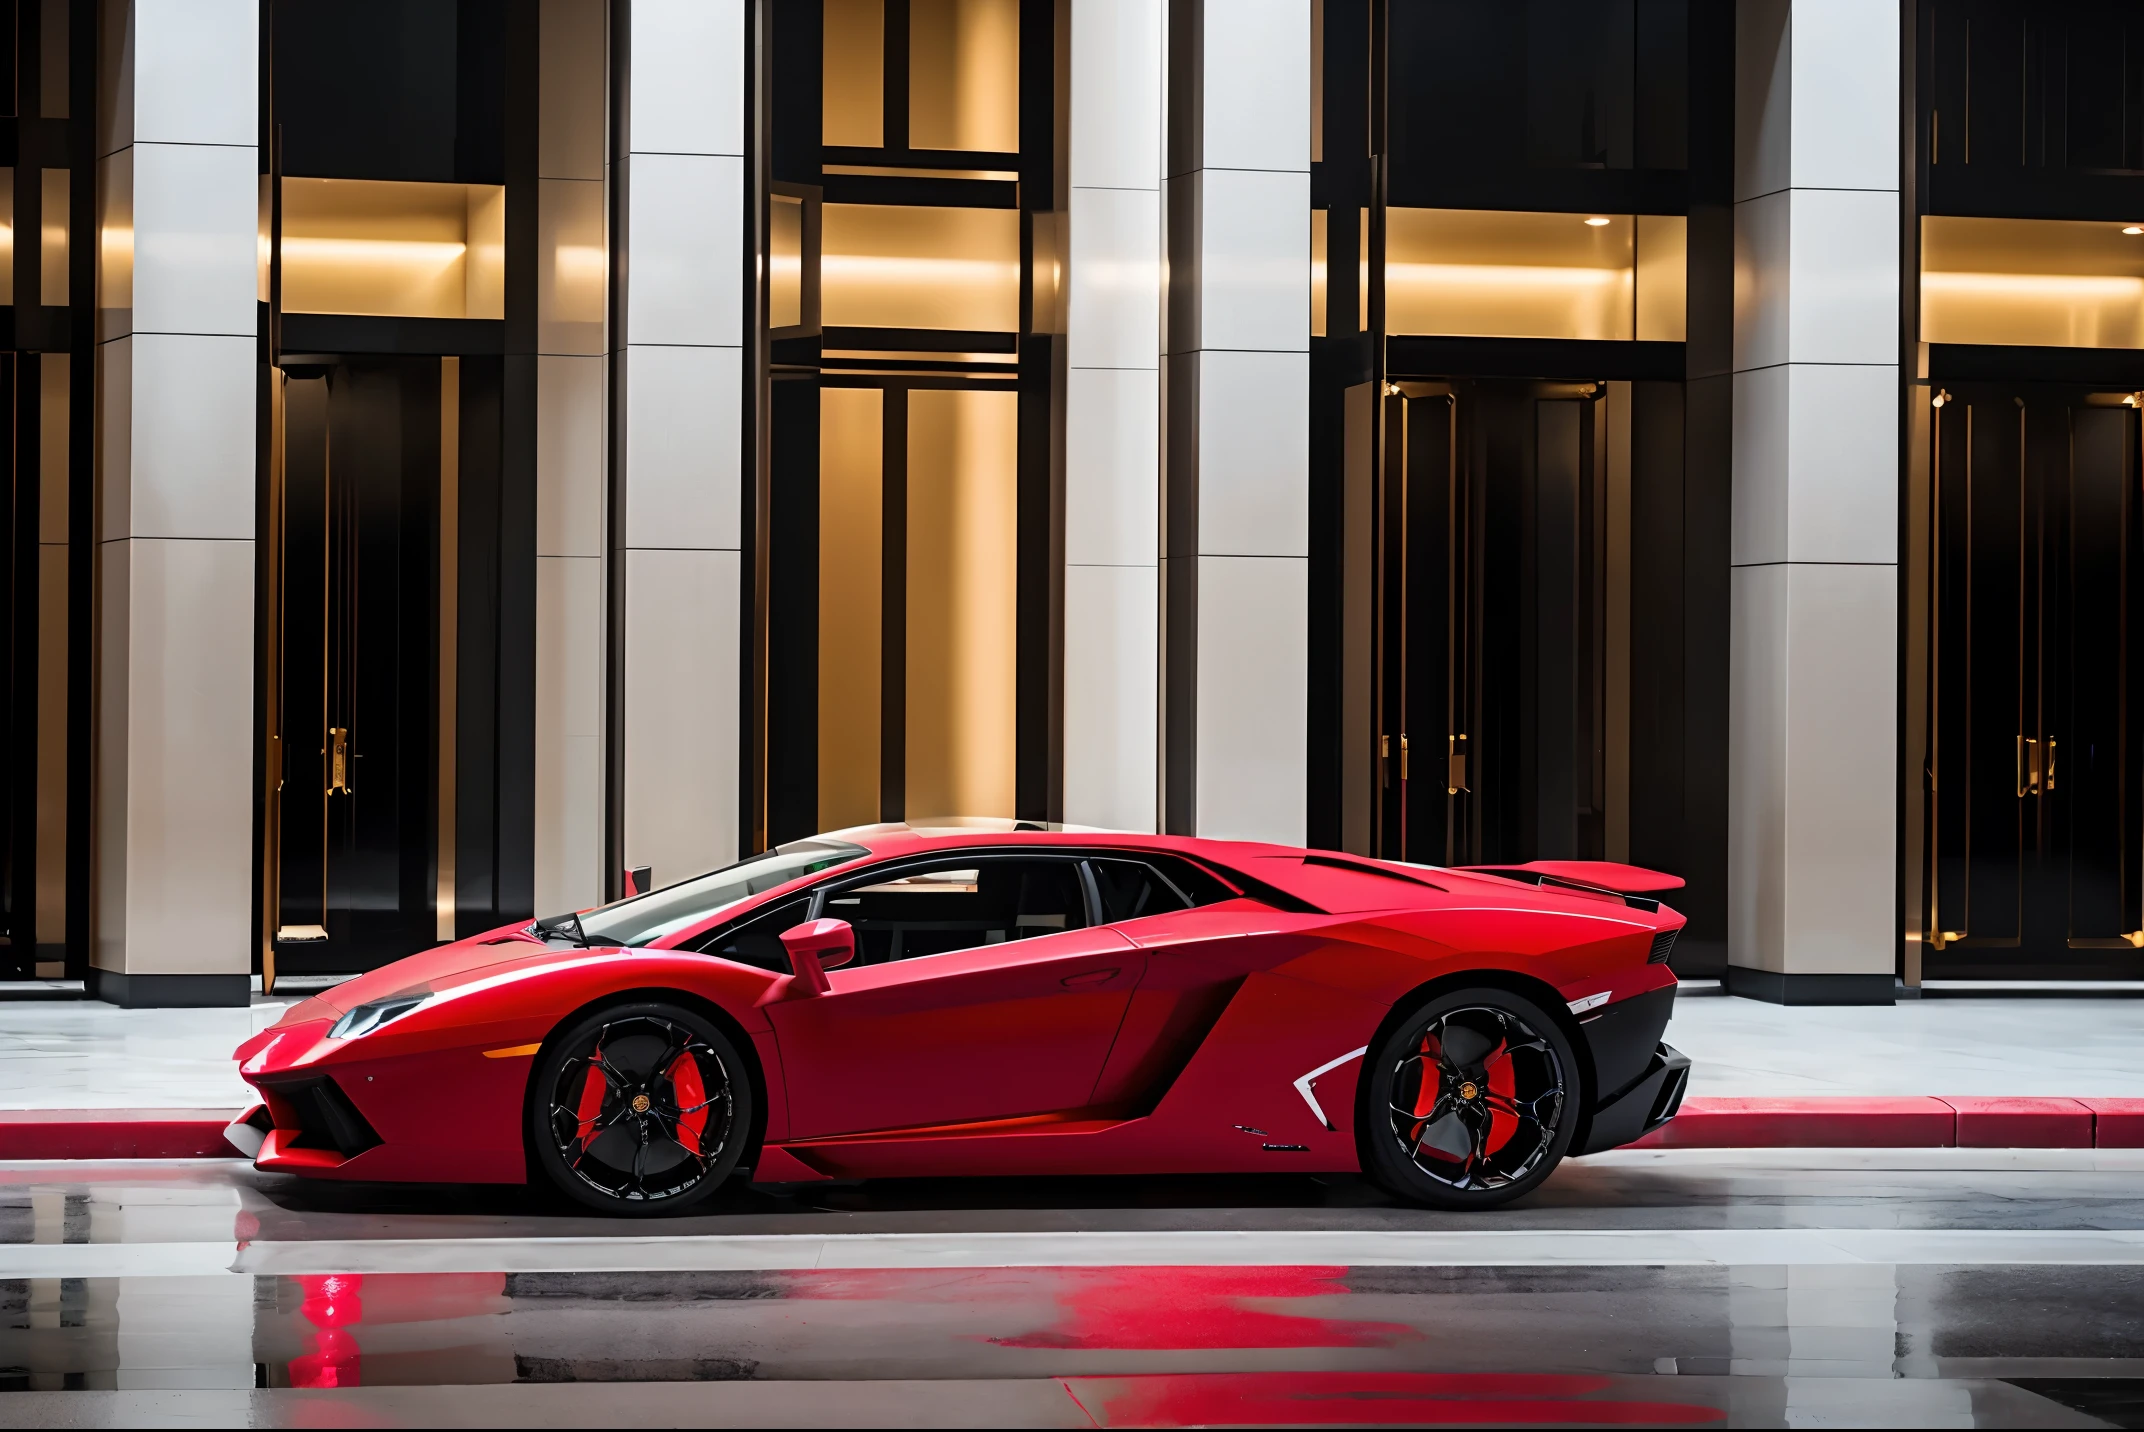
(643, 919)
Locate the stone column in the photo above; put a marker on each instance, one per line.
(177, 193)
(677, 426)
(1236, 537)
(572, 265)
(1812, 883)
(1112, 417)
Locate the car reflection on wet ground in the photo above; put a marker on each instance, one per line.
(1941, 1287)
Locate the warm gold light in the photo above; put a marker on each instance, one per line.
(1596, 222)
(2133, 229)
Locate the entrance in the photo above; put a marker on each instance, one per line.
(1505, 602)
(2033, 802)
(365, 484)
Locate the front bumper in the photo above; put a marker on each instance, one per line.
(1644, 1106)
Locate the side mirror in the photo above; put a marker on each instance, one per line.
(815, 947)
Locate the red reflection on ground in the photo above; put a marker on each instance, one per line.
(1200, 1307)
(1298, 1399)
(333, 1303)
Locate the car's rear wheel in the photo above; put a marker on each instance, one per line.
(640, 1109)
(1470, 1102)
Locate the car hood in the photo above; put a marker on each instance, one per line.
(435, 968)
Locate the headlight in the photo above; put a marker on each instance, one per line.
(368, 1017)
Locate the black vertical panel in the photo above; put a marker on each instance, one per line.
(1557, 630)
(18, 722)
(1662, 114)
(302, 856)
(1657, 830)
(1706, 599)
(793, 610)
(2088, 631)
(81, 480)
(1506, 690)
(1991, 685)
(893, 611)
(516, 668)
(1038, 722)
(476, 760)
(615, 615)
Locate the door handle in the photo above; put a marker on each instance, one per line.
(2035, 767)
(1455, 765)
(339, 760)
(1088, 977)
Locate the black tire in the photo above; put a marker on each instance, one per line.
(1471, 1102)
(612, 1108)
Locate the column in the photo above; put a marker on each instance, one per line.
(1236, 517)
(1112, 642)
(572, 267)
(177, 180)
(678, 370)
(1812, 880)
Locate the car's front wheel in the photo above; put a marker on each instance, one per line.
(640, 1109)
(1470, 1102)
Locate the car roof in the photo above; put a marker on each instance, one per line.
(923, 835)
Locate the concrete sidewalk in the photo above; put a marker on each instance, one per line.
(89, 1055)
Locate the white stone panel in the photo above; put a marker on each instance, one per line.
(192, 444)
(572, 267)
(1843, 463)
(1844, 111)
(1254, 448)
(1757, 768)
(1841, 797)
(197, 72)
(1253, 635)
(685, 242)
(573, 110)
(681, 698)
(1764, 91)
(1114, 309)
(1256, 85)
(1112, 466)
(569, 732)
(688, 64)
(1116, 132)
(1843, 299)
(184, 800)
(569, 456)
(1254, 261)
(681, 446)
(1761, 281)
(196, 239)
(1758, 512)
(1111, 686)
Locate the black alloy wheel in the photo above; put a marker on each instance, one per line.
(641, 1109)
(1471, 1102)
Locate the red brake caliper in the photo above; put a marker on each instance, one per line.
(591, 1108)
(1502, 1122)
(685, 1086)
(1425, 1097)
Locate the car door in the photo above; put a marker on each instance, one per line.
(980, 991)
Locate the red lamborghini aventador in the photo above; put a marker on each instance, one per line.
(897, 1001)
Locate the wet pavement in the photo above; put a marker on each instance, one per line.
(1949, 1287)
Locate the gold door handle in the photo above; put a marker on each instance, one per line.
(1455, 765)
(2028, 766)
(338, 760)
(1403, 759)
(2047, 783)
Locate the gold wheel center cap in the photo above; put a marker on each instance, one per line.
(640, 1102)
(1469, 1090)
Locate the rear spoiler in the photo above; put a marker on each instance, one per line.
(1635, 884)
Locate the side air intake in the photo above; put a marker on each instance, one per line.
(1663, 946)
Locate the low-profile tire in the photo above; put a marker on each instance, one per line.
(1470, 1102)
(640, 1110)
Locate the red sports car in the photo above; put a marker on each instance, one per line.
(899, 1001)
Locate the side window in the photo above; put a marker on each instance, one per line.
(758, 940)
(1131, 888)
(939, 909)
(1155, 886)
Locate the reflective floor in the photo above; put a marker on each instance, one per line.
(1947, 1287)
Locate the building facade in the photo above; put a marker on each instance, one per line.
(473, 458)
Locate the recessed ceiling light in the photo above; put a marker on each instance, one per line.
(2134, 229)
(1597, 222)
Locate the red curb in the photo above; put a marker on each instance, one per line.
(2116, 1123)
(115, 1133)
(2017, 1123)
(1912, 1121)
